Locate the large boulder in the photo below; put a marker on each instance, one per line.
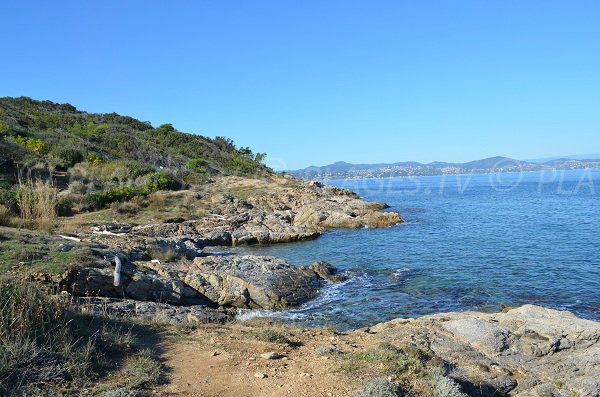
(253, 281)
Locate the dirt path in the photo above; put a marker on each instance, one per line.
(227, 362)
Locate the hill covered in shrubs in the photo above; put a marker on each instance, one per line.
(103, 158)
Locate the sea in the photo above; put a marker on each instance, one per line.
(469, 242)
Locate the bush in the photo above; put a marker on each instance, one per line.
(93, 158)
(272, 336)
(198, 166)
(129, 207)
(4, 128)
(66, 156)
(159, 180)
(88, 129)
(35, 145)
(378, 388)
(102, 199)
(444, 386)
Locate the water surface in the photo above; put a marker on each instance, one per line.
(470, 242)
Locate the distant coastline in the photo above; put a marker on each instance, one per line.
(343, 170)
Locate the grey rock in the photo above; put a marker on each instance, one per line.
(252, 281)
(522, 352)
(154, 311)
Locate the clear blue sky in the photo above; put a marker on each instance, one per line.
(313, 82)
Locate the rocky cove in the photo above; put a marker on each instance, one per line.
(166, 276)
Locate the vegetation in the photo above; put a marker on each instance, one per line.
(378, 388)
(409, 369)
(44, 344)
(106, 157)
(272, 336)
(37, 202)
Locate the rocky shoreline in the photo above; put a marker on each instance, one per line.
(164, 263)
(165, 276)
(529, 351)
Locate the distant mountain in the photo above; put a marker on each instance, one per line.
(592, 156)
(342, 169)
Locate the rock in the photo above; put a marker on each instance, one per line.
(271, 356)
(253, 281)
(96, 282)
(112, 228)
(153, 311)
(260, 375)
(146, 287)
(282, 210)
(527, 351)
(326, 271)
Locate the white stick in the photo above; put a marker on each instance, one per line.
(69, 238)
(117, 271)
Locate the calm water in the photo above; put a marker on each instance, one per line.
(469, 242)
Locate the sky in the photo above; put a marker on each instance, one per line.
(313, 82)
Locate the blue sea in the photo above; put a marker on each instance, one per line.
(470, 242)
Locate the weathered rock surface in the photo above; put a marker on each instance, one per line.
(529, 351)
(228, 281)
(280, 210)
(253, 282)
(154, 311)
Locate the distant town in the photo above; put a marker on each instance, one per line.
(343, 170)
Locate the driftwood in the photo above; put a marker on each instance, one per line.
(70, 238)
(117, 281)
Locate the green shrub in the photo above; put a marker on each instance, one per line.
(4, 128)
(159, 180)
(102, 199)
(269, 335)
(198, 166)
(37, 146)
(88, 129)
(67, 156)
(93, 158)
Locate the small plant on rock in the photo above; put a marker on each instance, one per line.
(378, 388)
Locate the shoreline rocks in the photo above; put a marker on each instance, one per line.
(529, 351)
(251, 282)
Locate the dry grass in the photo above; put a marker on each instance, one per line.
(130, 207)
(6, 217)
(38, 203)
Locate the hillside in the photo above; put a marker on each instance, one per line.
(46, 135)
(102, 158)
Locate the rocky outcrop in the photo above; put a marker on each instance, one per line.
(530, 351)
(153, 311)
(275, 211)
(253, 282)
(213, 281)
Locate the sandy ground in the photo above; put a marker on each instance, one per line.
(227, 362)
